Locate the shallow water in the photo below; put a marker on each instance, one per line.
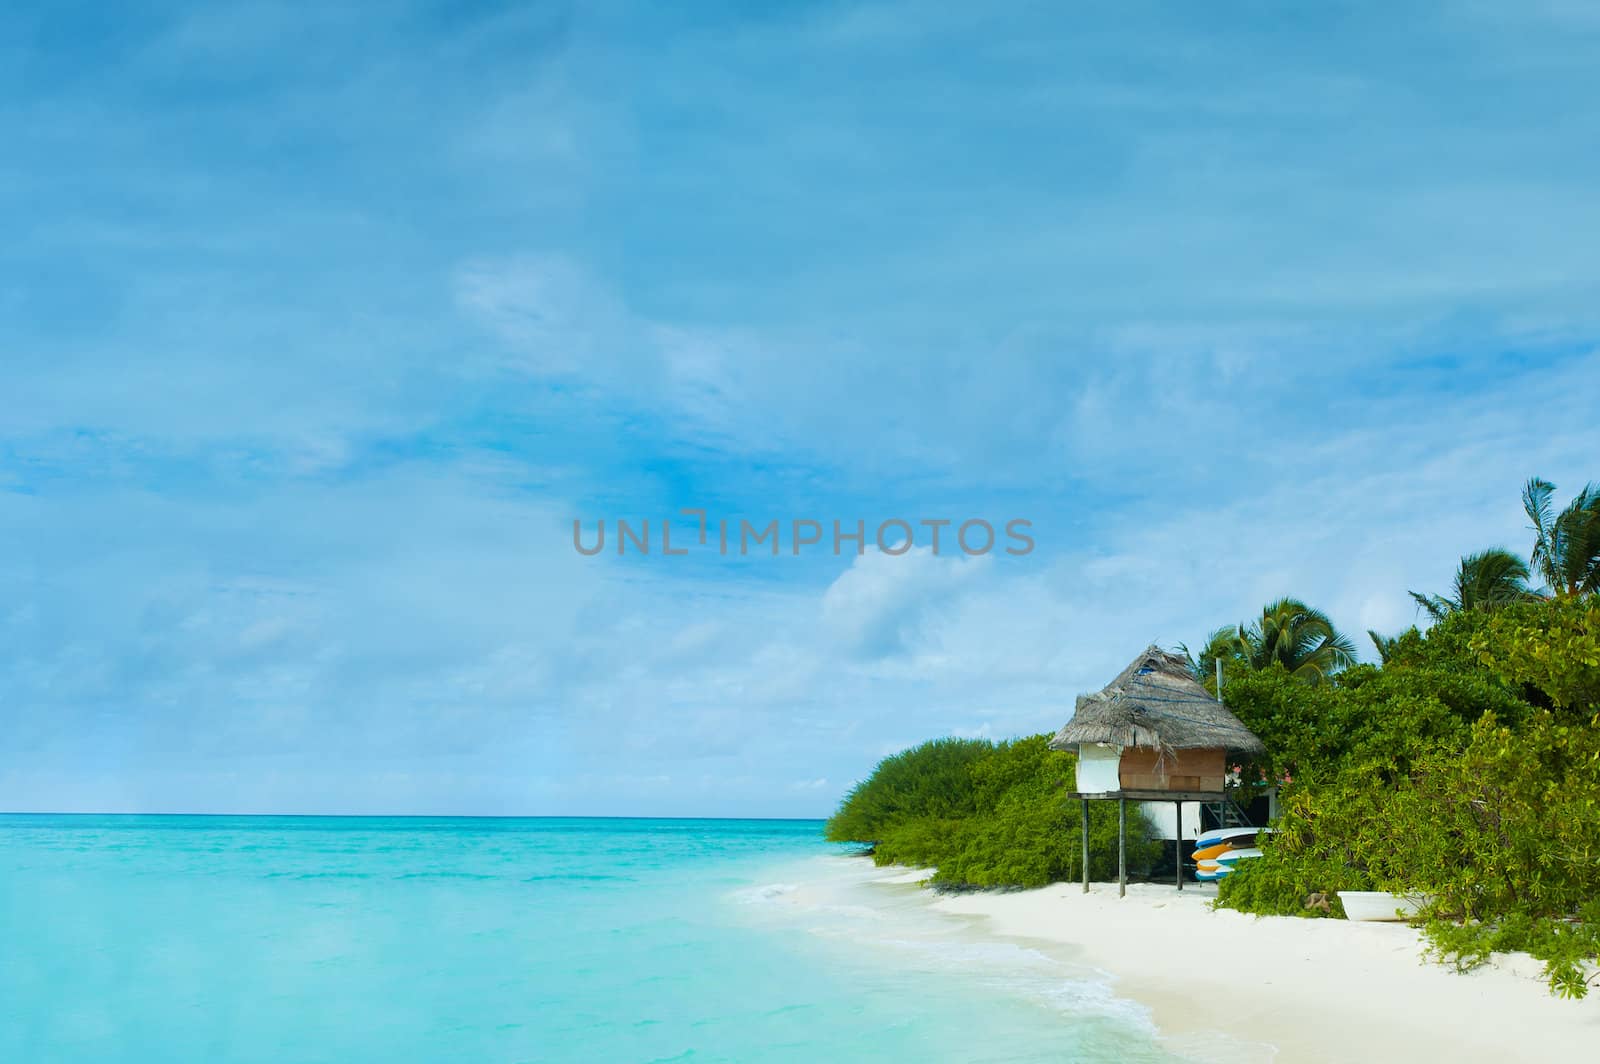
(227, 939)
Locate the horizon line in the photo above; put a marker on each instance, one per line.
(409, 816)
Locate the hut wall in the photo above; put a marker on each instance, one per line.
(1163, 818)
(1097, 767)
(1145, 769)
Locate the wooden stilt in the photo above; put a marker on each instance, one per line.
(1177, 852)
(1122, 847)
(1086, 845)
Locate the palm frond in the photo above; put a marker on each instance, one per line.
(1490, 578)
(1434, 606)
(1301, 639)
(1385, 644)
(1584, 544)
(1575, 544)
(1341, 649)
(1536, 504)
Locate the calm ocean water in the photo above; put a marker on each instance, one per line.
(226, 939)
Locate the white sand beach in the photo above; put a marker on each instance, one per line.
(1283, 989)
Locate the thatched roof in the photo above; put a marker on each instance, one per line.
(1156, 702)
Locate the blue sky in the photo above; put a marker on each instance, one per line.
(319, 325)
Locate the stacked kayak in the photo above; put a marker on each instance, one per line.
(1217, 853)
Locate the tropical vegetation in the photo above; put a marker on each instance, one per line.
(1463, 769)
(1566, 547)
(1466, 769)
(983, 814)
(1486, 580)
(1289, 634)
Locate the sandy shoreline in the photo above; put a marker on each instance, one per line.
(1317, 990)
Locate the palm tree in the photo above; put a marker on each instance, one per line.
(1289, 633)
(1566, 546)
(1486, 580)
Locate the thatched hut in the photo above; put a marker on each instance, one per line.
(1154, 728)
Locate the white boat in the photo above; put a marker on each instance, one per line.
(1377, 906)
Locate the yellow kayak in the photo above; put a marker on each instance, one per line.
(1211, 853)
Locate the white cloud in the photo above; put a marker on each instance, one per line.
(557, 319)
(291, 452)
(881, 604)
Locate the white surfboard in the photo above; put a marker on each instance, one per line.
(1234, 856)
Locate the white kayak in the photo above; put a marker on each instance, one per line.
(1235, 856)
(1220, 835)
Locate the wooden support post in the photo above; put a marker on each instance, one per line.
(1177, 850)
(1122, 847)
(1086, 845)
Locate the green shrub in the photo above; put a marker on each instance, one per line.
(996, 819)
(1370, 721)
(1291, 884)
(928, 781)
(1551, 648)
(1567, 947)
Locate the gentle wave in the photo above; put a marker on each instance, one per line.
(842, 901)
(385, 940)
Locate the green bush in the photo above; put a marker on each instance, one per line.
(1291, 884)
(986, 815)
(1369, 721)
(1551, 649)
(931, 781)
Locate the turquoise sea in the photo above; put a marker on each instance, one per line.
(286, 939)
